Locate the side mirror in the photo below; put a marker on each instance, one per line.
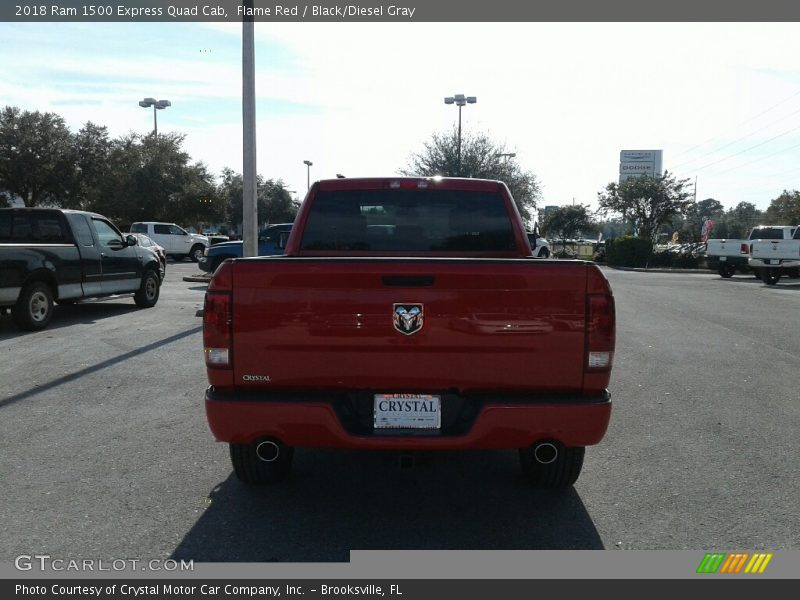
(131, 240)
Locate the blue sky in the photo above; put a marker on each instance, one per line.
(721, 100)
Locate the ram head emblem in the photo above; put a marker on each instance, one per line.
(408, 318)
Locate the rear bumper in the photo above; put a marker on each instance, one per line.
(776, 263)
(714, 262)
(311, 421)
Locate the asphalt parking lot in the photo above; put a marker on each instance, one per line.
(107, 452)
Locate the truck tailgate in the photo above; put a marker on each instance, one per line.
(776, 249)
(487, 324)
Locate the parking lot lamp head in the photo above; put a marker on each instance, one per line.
(460, 100)
(308, 164)
(157, 105)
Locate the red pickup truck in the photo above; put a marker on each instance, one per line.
(408, 314)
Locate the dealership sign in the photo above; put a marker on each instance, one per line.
(635, 163)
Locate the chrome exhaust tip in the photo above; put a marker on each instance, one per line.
(545, 453)
(268, 451)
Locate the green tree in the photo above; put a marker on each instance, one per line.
(231, 191)
(199, 201)
(149, 178)
(280, 206)
(691, 224)
(785, 209)
(92, 148)
(481, 158)
(739, 220)
(274, 202)
(37, 157)
(648, 202)
(567, 221)
(611, 228)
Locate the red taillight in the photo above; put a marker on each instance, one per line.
(600, 332)
(218, 319)
(745, 249)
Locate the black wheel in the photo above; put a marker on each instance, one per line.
(545, 253)
(34, 307)
(250, 466)
(726, 271)
(197, 252)
(147, 294)
(770, 276)
(556, 466)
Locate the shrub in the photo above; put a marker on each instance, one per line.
(629, 251)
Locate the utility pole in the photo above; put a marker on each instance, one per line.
(249, 204)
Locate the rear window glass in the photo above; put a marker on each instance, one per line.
(767, 233)
(162, 229)
(409, 221)
(138, 228)
(32, 228)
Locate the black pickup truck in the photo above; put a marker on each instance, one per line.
(52, 255)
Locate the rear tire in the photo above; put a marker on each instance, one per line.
(545, 253)
(559, 474)
(249, 468)
(147, 294)
(726, 271)
(770, 276)
(196, 252)
(34, 307)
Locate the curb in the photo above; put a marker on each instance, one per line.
(198, 278)
(686, 271)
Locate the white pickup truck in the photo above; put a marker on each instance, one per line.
(177, 242)
(726, 256)
(776, 257)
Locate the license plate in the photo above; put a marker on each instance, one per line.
(723, 258)
(407, 411)
(772, 261)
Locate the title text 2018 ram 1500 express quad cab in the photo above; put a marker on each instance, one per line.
(408, 314)
(49, 255)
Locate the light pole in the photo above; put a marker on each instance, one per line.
(460, 100)
(308, 164)
(157, 105)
